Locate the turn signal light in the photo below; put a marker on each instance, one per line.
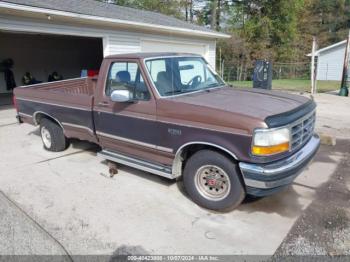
(270, 150)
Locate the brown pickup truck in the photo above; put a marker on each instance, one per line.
(171, 115)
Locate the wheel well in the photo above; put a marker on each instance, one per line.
(187, 151)
(192, 149)
(38, 116)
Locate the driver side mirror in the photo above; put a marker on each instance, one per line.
(122, 96)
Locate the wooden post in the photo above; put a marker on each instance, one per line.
(222, 68)
(344, 88)
(313, 65)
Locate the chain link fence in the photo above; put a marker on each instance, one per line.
(234, 72)
(286, 76)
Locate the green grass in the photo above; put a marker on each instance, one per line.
(294, 85)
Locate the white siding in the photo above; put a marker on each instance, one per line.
(128, 42)
(330, 64)
(158, 45)
(212, 53)
(206, 48)
(121, 43)
(114, 41)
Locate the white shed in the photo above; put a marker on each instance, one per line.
(42, 36)
(330, 61)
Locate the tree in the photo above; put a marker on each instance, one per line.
(278, 30)
(260, 29)
(270, 26)
(328, 20)
(213, 12)
(188, 5)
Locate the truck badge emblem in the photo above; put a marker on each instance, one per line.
(174, 132)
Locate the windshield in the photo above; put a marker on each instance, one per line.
(178, 75)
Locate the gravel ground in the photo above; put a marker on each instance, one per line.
(333, 115)
(324, 227)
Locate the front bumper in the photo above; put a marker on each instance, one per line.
(265, 179)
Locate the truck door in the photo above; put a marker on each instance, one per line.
(129, 127)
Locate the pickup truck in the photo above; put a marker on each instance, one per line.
(170, 114)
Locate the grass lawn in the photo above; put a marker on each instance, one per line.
(294, 85)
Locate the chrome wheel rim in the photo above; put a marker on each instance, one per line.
(212, 182)
(46, 137)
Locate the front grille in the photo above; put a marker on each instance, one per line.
(302, 130)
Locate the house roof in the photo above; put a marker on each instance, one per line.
(328, 48)
(101, 11)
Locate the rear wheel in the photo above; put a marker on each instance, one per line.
(213, 181)
(52, 136)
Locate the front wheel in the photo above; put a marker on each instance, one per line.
(213, 181)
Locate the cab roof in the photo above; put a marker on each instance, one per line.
(143, 55)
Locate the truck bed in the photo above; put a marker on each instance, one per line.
(71, 86)
(70, 102)
(78, 91)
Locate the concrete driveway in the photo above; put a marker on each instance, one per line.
(70, 203)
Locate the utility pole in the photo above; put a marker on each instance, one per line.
(344, 89)
(313, 78)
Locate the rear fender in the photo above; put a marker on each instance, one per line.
(38, 115)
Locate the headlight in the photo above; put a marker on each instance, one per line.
(269, 142)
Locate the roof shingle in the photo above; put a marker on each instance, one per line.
(102, 9)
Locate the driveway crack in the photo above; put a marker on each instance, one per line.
(37, 224)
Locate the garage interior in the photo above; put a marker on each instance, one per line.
(43, 54)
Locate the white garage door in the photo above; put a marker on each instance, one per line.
(168, 46)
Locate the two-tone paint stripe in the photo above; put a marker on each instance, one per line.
(78, 126)
(53, 104)
(139, 143)
(133, 116)
(170, 123)
(127, 140)
(24, 115)
(123, 139)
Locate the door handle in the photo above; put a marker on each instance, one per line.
(103, 104)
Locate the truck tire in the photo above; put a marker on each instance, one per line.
(213, 181)
(52, 136)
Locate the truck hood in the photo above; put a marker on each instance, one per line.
(255, 103)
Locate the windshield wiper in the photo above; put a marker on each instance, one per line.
(183, 91)
(173, 92)
(213, 85)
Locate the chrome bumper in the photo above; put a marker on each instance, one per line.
(279, 173)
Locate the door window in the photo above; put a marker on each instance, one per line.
(127, 76)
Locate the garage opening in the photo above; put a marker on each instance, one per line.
(41, 55)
